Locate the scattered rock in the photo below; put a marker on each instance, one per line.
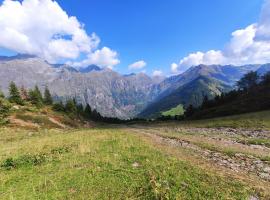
(135, 165)
(267, 170)
(265, 176)
(253, 198)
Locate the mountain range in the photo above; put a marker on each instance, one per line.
(122, 96)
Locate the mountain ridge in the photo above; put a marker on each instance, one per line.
(112, 94)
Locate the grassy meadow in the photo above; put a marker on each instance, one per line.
(102, 163)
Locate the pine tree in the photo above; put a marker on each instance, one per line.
(189, 111)
(35, 97)
(88, 112)
(14, 94)
(70, 107)
(2, 95)
(47, 97)
(250, 80)
(38, 93)
(80, 109)
(59, 106)
(266, 79)
(4, 110)
(96, 115)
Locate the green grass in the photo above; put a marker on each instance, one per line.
(255, 120)
(101, 164)
(259, 141)
(179, 110)
(37, 119)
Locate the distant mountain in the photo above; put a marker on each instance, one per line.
(264, 69)
(90, 68)
(189, 93)
(112, 94)
(123, 96)
(171, 93)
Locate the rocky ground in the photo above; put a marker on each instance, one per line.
(227, 152)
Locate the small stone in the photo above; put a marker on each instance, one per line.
(264, 176)
(253, 198)
(135, 165)
(16, 107)
(266, 170)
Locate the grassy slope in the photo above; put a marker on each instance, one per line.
(179, 110)
(100, 164)
(255, 120)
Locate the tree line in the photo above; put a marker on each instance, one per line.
(22, 96)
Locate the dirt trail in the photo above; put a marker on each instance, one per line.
(238, 162)
(57, 122)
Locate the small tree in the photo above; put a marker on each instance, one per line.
(70, 107)
(59, 106)
(205, 102)
(35, 97)
(266, 79)
(189, 111)
(96, 115)
(38, 93)
(88, 112)
(2, 95)
(14, 94)
(4, 110)
(80, 109)
(250, 80)
(48, 97)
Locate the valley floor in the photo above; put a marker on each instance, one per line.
(153, 161)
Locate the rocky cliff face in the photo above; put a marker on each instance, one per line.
(105, 90)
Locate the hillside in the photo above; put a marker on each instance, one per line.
(220, 79)
(190, 93)
(252, 95)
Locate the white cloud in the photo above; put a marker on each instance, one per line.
(174, 68)
(250, 45)
(157, 73)
(137, 65)
(43, 28)
(104, 57)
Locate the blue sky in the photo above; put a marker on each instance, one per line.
(162, 32)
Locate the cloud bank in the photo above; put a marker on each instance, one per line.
(250, 45)
(43, 28)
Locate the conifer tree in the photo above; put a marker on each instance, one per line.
(70, 107)
(80, 109)
(59, 106)
(35, 97)
(189, 111)
(14, 94)
(250, 80)
(2, 94)
(38, 93)
(88, 112)
(48, 97)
